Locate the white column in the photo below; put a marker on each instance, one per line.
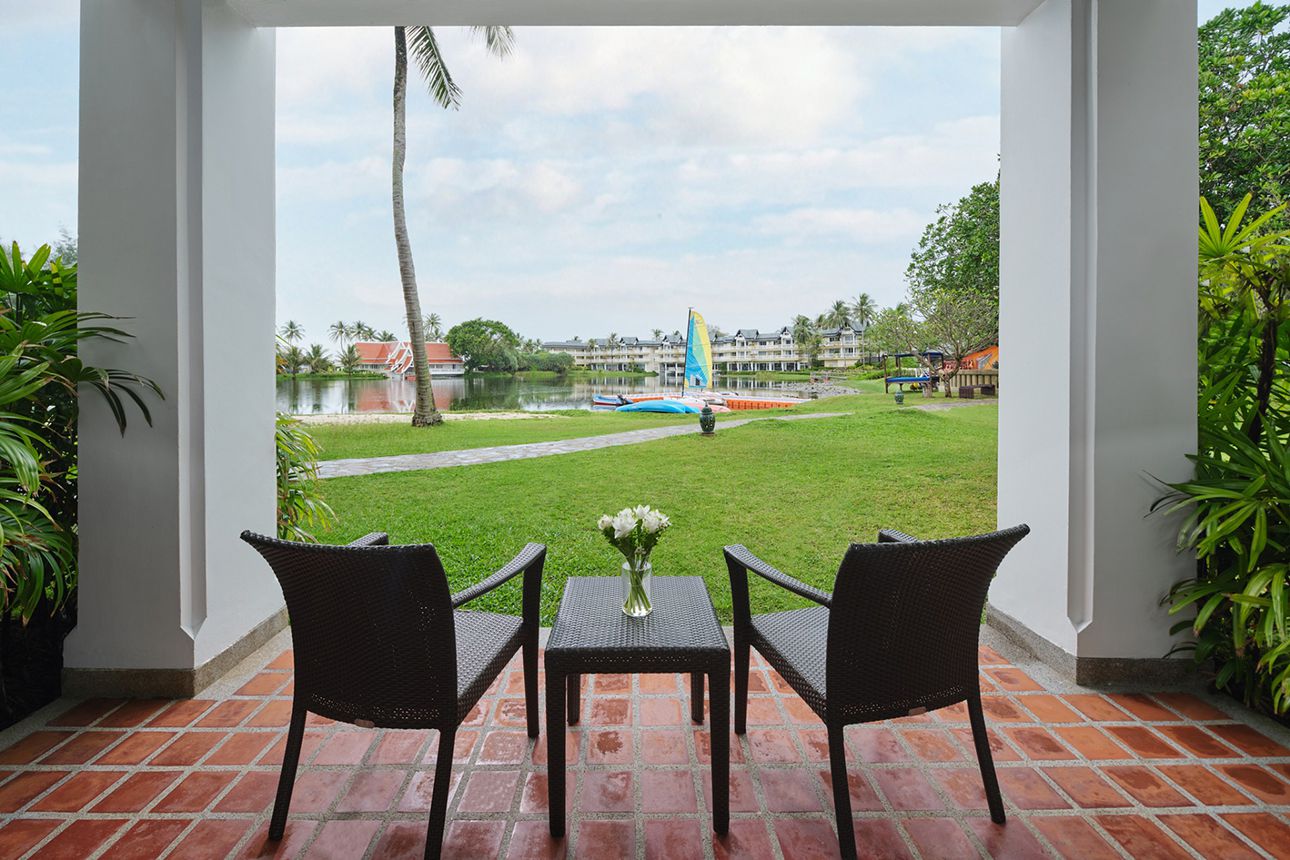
(1098, 317)
(177, 233)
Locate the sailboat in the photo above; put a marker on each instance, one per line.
(697, 379)
(697, 383)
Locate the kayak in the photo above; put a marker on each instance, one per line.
(662, 405)
(608, 400)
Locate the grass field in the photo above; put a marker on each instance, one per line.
(794, 492)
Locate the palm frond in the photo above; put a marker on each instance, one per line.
(424, 49)
(499, 41)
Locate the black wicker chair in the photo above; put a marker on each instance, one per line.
(897, 637)
(380, 642)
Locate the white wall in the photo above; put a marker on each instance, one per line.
(1098, 281)
(1035, 319)
(1144, 307)
(176, 231)
(303, 13)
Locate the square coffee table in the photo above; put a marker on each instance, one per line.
(592, 635)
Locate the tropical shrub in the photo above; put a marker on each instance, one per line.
(41, 379)
(41, 375)
(1237, 507)
(300, 507)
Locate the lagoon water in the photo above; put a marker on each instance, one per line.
(314, 396)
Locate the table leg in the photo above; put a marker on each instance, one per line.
(555, 732)
(696, 696)
(574, 683)
(719, 726)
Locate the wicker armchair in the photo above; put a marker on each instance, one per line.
(897, 637)
(380, 642)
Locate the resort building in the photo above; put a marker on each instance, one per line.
(748, 349)
(395, 358)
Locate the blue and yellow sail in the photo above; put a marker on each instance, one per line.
(698, 354)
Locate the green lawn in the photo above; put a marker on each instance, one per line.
(795, 492)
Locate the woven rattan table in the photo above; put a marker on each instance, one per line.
(592, 635)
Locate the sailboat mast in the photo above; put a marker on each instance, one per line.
(685, 360)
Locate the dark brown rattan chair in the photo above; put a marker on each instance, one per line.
(380, 642)
(897, 637)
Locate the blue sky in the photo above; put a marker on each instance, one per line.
(597, 180)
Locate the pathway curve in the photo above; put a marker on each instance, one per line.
(501, 453)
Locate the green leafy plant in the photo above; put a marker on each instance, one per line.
(1237, 507)
(41, 376)
(301, 509)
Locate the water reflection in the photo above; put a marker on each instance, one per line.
(306, 396)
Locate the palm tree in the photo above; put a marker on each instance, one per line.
(361, 331)
(291, 331)
(317, 359)
(806, 336)
(340, 332)
(386, 336)
(434, 327)
(292, 359)
(839, 314)
(349, 359)
(864, 309)
(658, 333)
(425, 50)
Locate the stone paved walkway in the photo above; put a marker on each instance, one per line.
(500, 453)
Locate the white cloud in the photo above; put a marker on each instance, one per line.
(606, 179)
(864, 226)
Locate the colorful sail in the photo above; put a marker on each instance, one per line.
(698, 354)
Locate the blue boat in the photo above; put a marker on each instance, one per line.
(608, 400)
(664, 405)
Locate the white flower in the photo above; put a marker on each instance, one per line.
(623, 524)
(605, 522)
(641, 511)
(655, 521)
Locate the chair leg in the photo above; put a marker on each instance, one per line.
(573, 697)
(743, 654)
(841, 792)
(287, 777)
(442, 788)
(530, 682)
(986, 761)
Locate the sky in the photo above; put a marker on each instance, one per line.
(597, 180)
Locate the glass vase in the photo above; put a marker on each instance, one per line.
(636, 577)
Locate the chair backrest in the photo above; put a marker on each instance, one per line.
(904, 624)
(372, 630)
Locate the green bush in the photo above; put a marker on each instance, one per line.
(1238, 504)
(41, 376)
(301, 509)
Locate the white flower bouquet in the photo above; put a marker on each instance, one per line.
(634, 532)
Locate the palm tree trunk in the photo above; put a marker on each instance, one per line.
(424, 413)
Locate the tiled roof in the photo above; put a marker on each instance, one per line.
(374, 353)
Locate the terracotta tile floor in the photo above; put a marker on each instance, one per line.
(1084, 774)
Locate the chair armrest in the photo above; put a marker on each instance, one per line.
(372, 539)
(893, 536)
(740, 555)
(532, 556)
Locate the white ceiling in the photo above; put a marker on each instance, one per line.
(292, 13)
